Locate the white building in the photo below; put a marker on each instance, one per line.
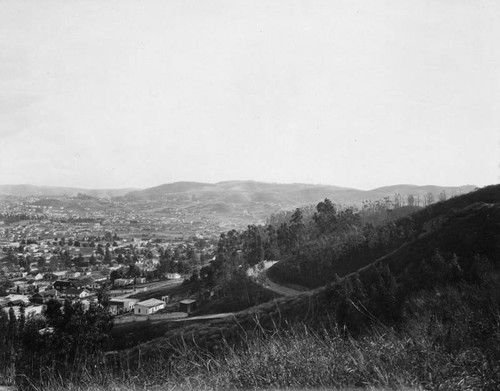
(123, 281)
(74, 293)
(148, 307)
(119, 305)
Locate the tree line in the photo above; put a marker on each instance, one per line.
(66, 340)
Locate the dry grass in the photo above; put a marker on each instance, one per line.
(298, 359)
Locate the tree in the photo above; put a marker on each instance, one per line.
(429, 199)
(411, 200)
(78, 336)
(22, 318)
(297, 228)
(53, 312)
(115, 274)
(271, 249)
(5, 284)
(133, 271)
(107, 255)
(325, 216)
(100, 250)
(383, 295)
(252, 245)
(4, 341)
(103, 296)
(284, 239)
(12, 326)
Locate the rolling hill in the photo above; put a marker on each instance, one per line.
(443, 282)
(420, 310)
(243, 192)
(222, 205)
(284, 195)
(50, 191)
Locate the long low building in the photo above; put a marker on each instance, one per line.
(148, 307)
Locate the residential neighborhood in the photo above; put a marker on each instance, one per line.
(49, 253)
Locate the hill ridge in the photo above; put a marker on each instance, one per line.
(468, 226)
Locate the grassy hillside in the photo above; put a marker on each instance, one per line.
(436, 296)
(471, 238)
(423, 315)
(459, 218)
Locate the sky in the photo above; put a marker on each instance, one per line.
(129, 93)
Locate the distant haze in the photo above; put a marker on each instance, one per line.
(227, 194)
(360, 94)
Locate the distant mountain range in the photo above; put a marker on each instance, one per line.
(51, 191)
(242, 192)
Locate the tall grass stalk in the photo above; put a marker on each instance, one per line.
(299, 358)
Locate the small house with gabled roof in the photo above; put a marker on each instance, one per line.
(148, 307)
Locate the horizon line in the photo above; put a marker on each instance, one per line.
(133, 188)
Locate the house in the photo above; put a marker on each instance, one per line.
(54, 276)
(72, 274)
(148, 307)
(50, 277)
(44, 297)
(86, 282)
(76, 294)
(19, 287)
(35, 276)
(60, 274)
(98, 276)
(187, 305)
(40, 284)
(63, 285)
(140, 280)
(173, 276)
(119, 305)
(123, 281)
(94, 286)
(13, 299)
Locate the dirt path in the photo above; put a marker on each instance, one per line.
(205, 317)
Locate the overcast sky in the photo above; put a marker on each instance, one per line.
(109, 94)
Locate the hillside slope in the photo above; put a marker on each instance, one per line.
(462, 252)
(322, 258)
(287, 195)
(423, 315)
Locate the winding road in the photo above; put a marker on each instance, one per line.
(280, 289)
(267, 283)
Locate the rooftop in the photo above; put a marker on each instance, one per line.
(150, 303)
